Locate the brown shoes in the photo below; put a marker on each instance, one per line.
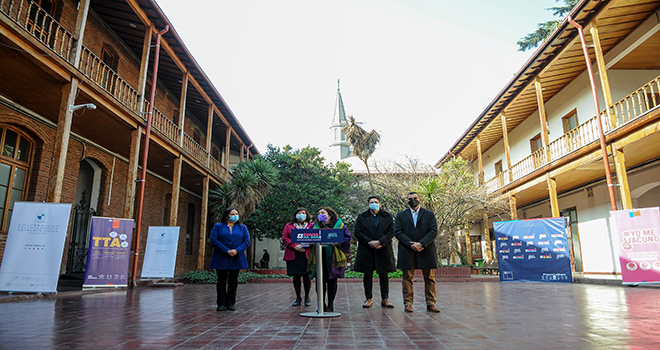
(408, 308)
(432, 308)
(368, 303)
(386, 303)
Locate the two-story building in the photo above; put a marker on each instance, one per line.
(538, 142)
(57, 55)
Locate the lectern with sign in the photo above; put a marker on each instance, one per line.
(318, 237)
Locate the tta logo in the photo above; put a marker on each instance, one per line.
(41, 217)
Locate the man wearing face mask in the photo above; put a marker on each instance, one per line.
(416, 230)
(374, 230)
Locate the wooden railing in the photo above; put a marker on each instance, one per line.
(216, 166)
(639, 102)
(627, 109)
(194, 149)
(167, 127)
(100, 73)
(40, 24)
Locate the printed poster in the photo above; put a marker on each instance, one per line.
(160, 252)
(109, 252)
(638, 233)
(533, 250)
(35, 243)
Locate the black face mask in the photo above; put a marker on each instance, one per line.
(413, 203)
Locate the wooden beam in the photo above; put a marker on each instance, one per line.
(622, 177)
(227, 150)
(552, 192)
(513, 206)
(62, 135)
(144, 66)
(209, 135)
(542, 117)
(176, 189)
(489, 244)
(507, 151)
(182, 105)
(604, 80)
(481, 163)
(79, 31)
(132, 176)
(201, 255)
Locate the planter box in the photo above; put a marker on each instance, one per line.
(269, 271)
(449, 272)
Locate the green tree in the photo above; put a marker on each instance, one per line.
(363, 143)
(544, 29)
(305, 181)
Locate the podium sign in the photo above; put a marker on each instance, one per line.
(315, 235)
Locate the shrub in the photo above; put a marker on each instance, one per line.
(359, 275)
(201, 277)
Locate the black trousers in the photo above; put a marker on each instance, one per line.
(368, 281)
(226, 286)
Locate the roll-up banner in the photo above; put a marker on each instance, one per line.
(33, 252)
(160, 252)
(533, 250)
(638, 232)
(108, 256)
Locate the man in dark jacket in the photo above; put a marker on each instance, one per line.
(265, 259)
(374, 230)
(416, 229)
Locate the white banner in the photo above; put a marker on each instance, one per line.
(35, 242)
(160, 252)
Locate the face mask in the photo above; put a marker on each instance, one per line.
(413, 203)
(322, 218)
(233, 218)
(374, 206)
(301, 216)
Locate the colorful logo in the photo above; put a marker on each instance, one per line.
(518, 257)
(561, 249)
(645, 265)
(547, 256)
(516, 244)
(631, 266)
(544, 243)
(504, 251)
(528, 237)
(656, 265)
(503, 238)
(530, 250)
(41, 216)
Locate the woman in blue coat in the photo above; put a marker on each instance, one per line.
(229, 239)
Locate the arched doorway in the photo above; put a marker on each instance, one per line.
(87, 197)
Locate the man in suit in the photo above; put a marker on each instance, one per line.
(374, 230)
(416, 230)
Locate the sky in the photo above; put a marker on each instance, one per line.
(417, 71)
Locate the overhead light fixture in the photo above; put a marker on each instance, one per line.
(133, 25)
(73, 108)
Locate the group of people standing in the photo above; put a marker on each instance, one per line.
(415, 228)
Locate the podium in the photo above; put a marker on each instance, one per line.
(318, 237)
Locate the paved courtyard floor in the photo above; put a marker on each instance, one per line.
(475, 315)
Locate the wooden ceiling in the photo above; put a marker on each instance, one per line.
(127, 19)
(557, 63)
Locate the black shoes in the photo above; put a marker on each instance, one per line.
(231, 307)
(297, 302)
(221, 308)
(307, 302)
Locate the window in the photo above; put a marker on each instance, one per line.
(166, 214)
(107, 68)
(41, 18)
(14, 161)
(535, 143)
(570, 121)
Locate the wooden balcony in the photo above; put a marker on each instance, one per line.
(624, 111)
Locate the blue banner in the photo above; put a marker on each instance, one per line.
(315, 235)
(108, 256)
(533, 250)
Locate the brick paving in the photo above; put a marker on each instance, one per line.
(475, 315)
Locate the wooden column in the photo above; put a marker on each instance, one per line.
(542, 117)
(56, 176)
(144, 66)
(227, 151)
(176, 186)
(489, 244)
(209, 135)
(602, 72)
(468, 246)
(481, 163)
(201, 256)
(79, 31)
(552, 191)
(182, 105)
(505, 133)
(132, 176)
(513, 206)
(622, 177)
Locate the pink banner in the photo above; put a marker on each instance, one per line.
(638, 234)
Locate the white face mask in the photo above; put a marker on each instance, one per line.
(374, 206)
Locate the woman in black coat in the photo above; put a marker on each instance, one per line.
(374, 230)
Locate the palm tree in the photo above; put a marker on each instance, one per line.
(363, 143)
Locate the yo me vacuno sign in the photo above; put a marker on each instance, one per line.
(315, 235)
(638, 233)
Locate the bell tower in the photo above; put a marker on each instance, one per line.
(340, 146)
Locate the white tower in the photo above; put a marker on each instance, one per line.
(340, 146)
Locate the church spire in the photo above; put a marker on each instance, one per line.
(339, 141)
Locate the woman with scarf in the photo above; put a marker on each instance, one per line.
(296, 254)
(333, 267)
